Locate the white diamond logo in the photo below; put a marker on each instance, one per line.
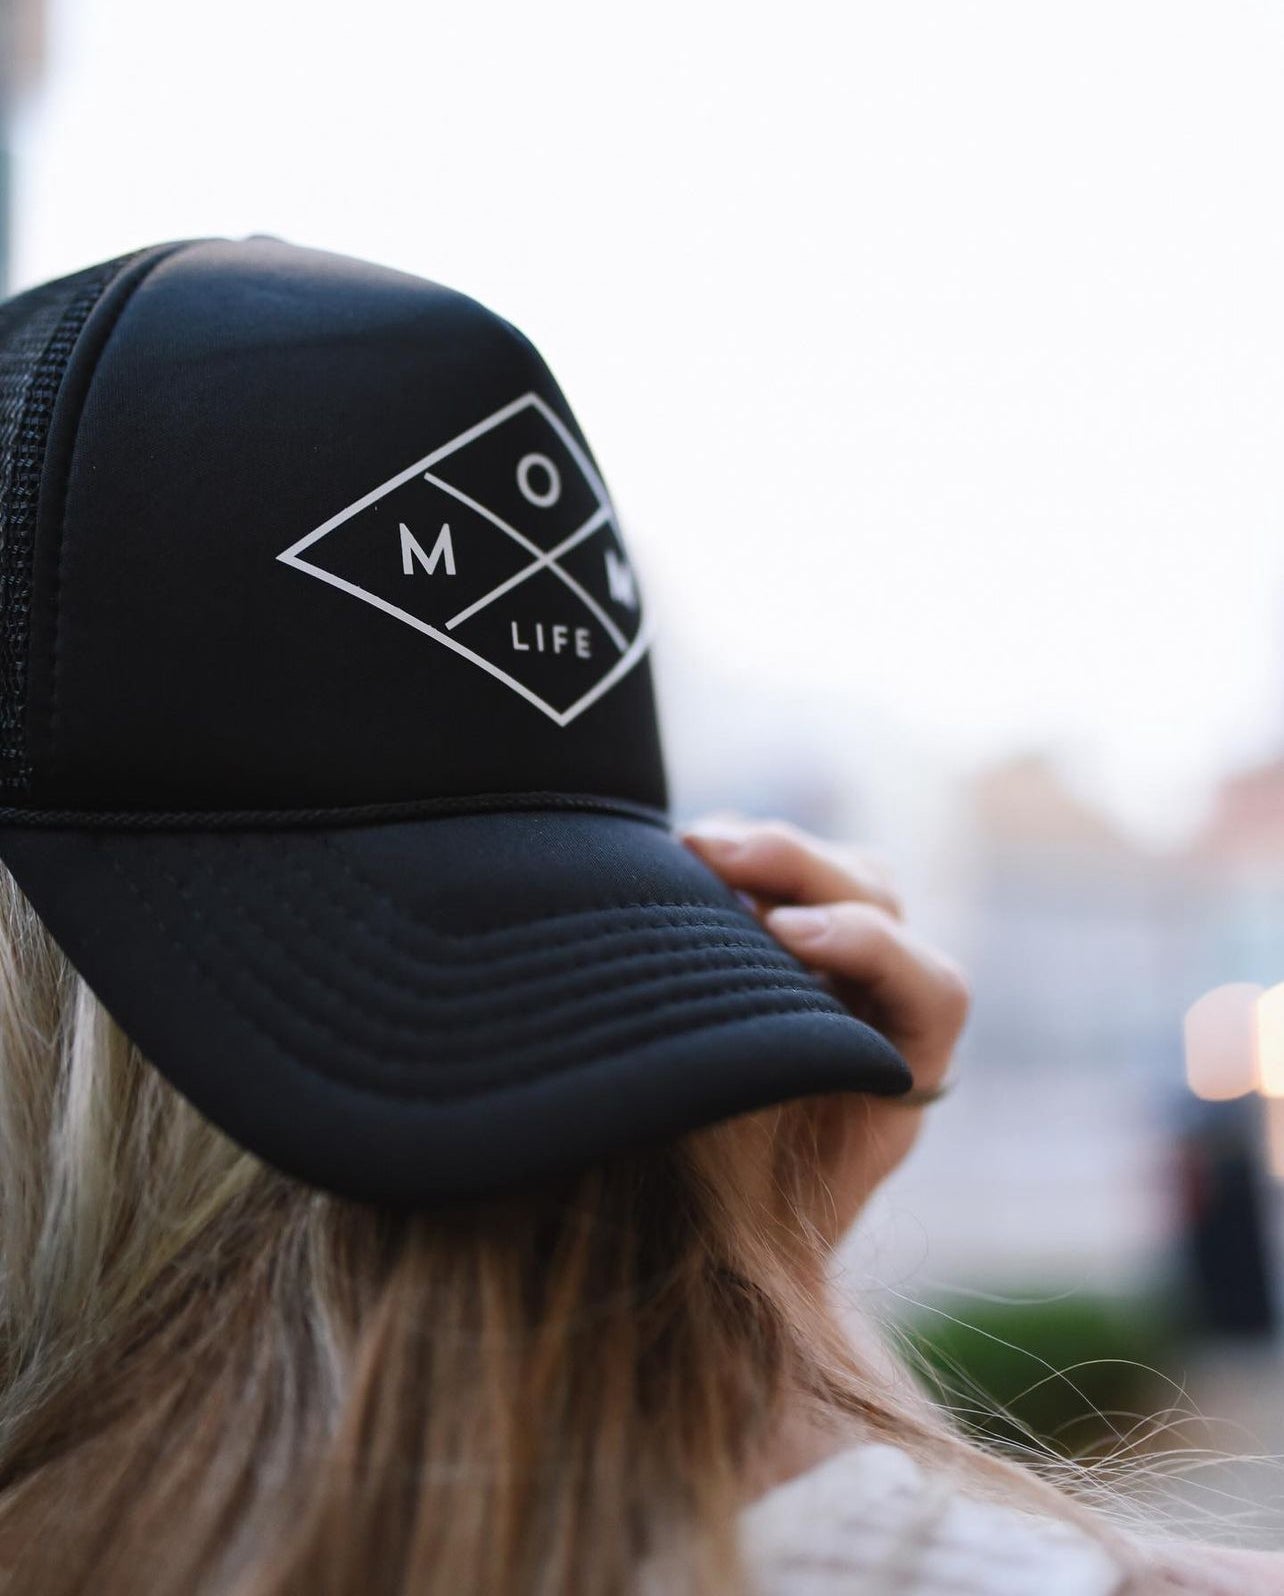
(501, 545)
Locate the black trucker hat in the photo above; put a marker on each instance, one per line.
(328, 747)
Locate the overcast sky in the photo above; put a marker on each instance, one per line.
(935, 350)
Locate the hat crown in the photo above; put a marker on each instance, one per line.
(308, 533)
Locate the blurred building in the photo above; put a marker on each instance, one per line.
(1057, 1161)
(1246, 825)
(1236, 862)
(1049, 1166)
(1077, 933)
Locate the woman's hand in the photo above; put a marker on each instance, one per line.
(835, 910)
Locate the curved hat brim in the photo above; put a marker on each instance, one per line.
(412, 1011)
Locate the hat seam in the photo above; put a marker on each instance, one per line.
(163, 253)
(340, 815)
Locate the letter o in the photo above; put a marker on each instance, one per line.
(540, 498)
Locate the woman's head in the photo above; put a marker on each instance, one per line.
(351, 806)
(201, 1359)
(328, 743)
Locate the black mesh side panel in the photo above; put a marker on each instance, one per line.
(38, 331)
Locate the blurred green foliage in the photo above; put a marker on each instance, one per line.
(1080, 1374)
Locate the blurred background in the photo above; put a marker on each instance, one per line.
(935, 355)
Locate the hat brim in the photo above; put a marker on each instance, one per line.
(413, 1011)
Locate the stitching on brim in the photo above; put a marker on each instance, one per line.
(817, 1004)
(465, 973)
(518, 936)
(787, 979)
(647, 912)
(365, 882)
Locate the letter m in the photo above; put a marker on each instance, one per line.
(442, 550)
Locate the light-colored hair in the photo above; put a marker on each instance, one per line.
(217, 1382)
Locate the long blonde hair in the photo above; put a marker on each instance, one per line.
(216, 1382)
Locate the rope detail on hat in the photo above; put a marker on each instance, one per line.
(340, 815)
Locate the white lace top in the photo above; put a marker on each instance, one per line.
(871, 1522)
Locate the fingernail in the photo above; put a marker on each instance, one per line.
(797, 924)
(720, 838)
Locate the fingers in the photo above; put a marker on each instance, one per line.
(918, 996)
(836, 911)
(776, 861)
